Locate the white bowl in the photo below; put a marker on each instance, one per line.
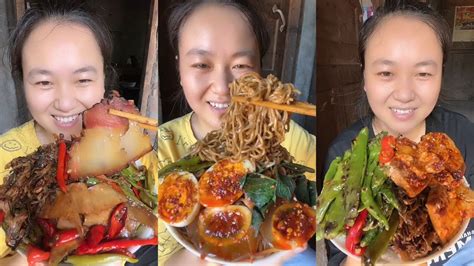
(269, 260)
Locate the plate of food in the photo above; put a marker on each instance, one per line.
(239, 199)
(78, 201)
(409, 202)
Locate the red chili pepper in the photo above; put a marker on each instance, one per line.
(47, 226)
(61, 168)
(2, 216)
(117, 220)
(114, 245)
(65, 236)
(136, 191)
(387, 149)
(36, 255)
(95, 235)
(355, 233)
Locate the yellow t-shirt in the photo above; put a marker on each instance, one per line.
(175, 139)
(22, 140)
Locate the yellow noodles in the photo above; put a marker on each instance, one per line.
(249, 131)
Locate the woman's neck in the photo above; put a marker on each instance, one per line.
(199, 130)
(414, 135)
(44, 136)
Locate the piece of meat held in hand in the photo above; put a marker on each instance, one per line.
(108, 143)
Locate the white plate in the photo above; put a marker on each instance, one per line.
(269, 260)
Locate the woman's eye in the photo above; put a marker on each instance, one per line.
(43, 83)
(241, 66)
(200, 66)
(84, 81)
(385, 74)
(424, 75)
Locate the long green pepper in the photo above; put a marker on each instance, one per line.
(353, 184)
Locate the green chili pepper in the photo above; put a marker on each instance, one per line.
(389, 196)
(181, 164)
(332, 186)
(379, 179)
(369, 236)
(369, 203)
(334, 221)
(380, 243)
(99, 259)
(357, 164)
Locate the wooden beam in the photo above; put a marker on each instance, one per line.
(149, 91)
(19, 9)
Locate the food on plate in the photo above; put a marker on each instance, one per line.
(220, 185)
(226, 231)
(178, 199)
(247, 180)
(411, 197)
(108, 142)
(437, 164)
(54, 216)
(289, 225)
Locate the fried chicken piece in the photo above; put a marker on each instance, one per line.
(446, 212)
(404, 169)
(435, 160)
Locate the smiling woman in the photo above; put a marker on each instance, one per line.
(60, 54)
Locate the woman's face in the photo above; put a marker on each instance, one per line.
(216, 46)
(403, 75)
(62, 75)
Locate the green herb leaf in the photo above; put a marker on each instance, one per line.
(285, 187)
(257, 220)
(299, 168)
(260, 189)
(242, 181)
(301, 191)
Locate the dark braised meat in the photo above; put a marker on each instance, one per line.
(415, 237)
(30, 184)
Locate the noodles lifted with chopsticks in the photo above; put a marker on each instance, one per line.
(249, 131)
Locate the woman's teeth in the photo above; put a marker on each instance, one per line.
(65, 119)
(219, 105)
(402, 111)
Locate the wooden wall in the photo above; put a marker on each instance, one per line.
(338, 70)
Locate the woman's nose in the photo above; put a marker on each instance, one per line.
(405, 90)
(221, 81)
(65, 99)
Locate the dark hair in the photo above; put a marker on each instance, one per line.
(180, 12)
(411, 8)
(71, 11)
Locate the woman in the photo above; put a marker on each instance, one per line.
(60, 54)
(403, 50)
(215, 42)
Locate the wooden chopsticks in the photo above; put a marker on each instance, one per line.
(143, 121)
(297, 107)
